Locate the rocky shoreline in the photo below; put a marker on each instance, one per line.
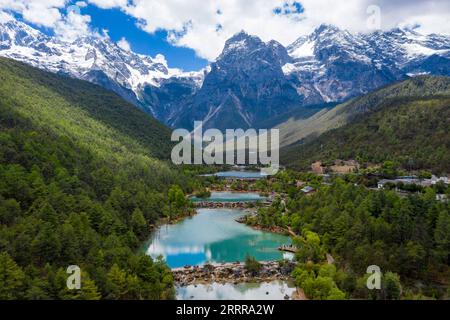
(275, 229)
(232, 273)
(223, 205)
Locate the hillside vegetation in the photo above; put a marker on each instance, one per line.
(412, 133)
(408, 237)
(296, 130)
(80, 184)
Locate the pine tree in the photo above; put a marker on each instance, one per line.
(392, 287)
(442, 236)
(116, 283)
(138, 223)
(11, 278)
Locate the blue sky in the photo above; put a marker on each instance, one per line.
(119, 25)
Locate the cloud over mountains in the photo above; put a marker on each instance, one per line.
(194, 23)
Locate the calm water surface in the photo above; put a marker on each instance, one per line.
(232, 197)
(276, 290)
(214, 236)
(239, 175)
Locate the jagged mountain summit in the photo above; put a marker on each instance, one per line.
(93, 58)
(337, 65)
(244, 86)
(250, 82)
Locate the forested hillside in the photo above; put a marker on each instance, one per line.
(410, 131)
(80, 184)
(297, 130)
(408, 237)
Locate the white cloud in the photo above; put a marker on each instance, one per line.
(41, 12)
(205, 25)
(72, 26)
(160, 58)
(81, 4)
(108, 4)
(66, 22)
(124, 44)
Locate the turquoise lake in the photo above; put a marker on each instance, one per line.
(214, 236)
(231, 197)
(239, 175)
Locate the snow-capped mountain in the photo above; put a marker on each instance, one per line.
(337, 64)
(245, 86)
(93, 58)
(250, 81)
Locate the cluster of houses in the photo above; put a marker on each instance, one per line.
(304, 188)
(339, 167)
(413, 180)
(351, 166)
(418, 182)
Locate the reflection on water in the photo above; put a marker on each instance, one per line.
(232, 197)
(239, 175)
(276, 290)
(213, 235)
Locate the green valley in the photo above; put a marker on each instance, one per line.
(410, 131)
(299, 130)
(82, 177)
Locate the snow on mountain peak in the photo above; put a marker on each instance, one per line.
(5, 17)
(80, 57)
(333, 60)
(306, 49)
(250, 75)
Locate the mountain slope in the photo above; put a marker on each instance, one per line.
(249, 82)
(245, 86)
(340, 65)
(81, 99)
(297, 130)
(80, 183)
(410, 131)
(94, 58)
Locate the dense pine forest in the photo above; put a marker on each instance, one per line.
(408, 237)
(412, 132)
(81, 181)
(84, 176)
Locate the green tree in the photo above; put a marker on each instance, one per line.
(138, 223)
(309, 247)
(177, 200)
(336, 294)
(103, 182)
(252, 265)
(392, 287)
(89, 290)
(46, 246)
(117, 283)
(9, 211)
(442, 236)
(11, 278)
